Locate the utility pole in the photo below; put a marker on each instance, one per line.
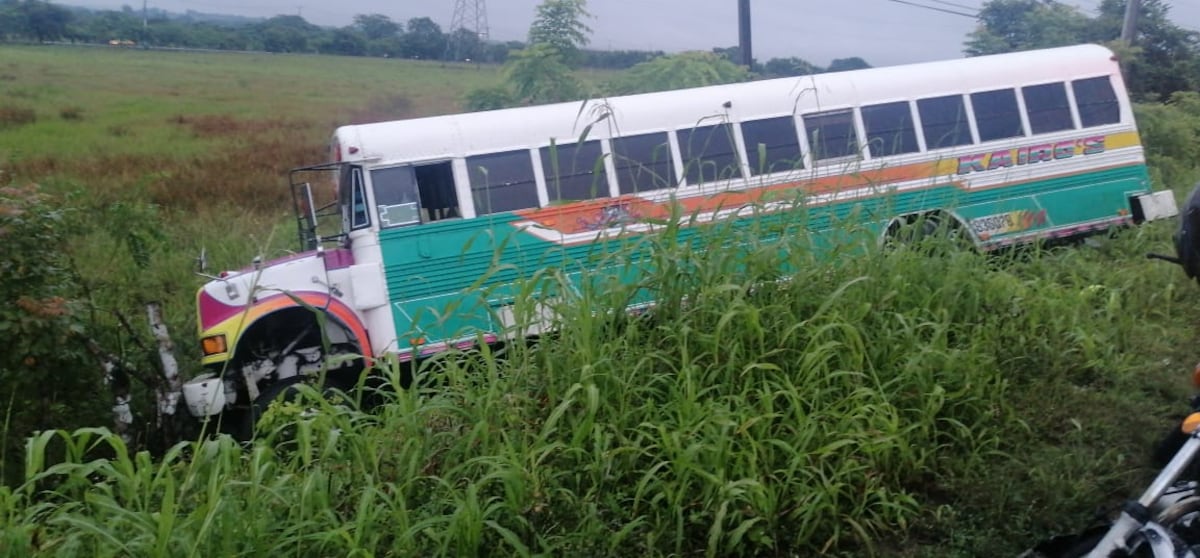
(145, 23)
(744, 38)
(1129, 27)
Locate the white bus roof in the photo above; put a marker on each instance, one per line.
(460, 135)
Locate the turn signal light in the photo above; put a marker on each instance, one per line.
(213, 345)
(1190, 423)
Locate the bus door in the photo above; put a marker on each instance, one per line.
(411, 201)
(415, 194)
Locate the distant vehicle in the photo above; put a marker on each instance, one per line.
(439, 217)
(121, 42)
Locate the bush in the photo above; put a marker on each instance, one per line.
(1171, 136)
(71, 113)
(489, 98)
(44, 369)
(678, 71)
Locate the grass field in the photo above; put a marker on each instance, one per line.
(894, 404)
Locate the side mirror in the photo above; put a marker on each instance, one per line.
(202, 262)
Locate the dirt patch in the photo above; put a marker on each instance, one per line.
(12, 116)
(224, 125)
(225, 177)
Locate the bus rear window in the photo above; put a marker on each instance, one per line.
(944, 121)
(502, 182)
(643, 162)
(1096, 101)
(772, 145)
(574, 171)
(708, 153)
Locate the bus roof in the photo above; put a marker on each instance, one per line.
(460, 135)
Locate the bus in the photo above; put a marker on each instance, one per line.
(435, 219)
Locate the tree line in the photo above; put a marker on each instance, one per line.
(1164, 57)
(374, 35)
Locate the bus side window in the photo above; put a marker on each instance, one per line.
(1047, 108)
(708, 153)
(944, 121)
(435, 183)
(890, 129)
(503, 181)
(396, 196)
(574, 172)
(831, 134)
(643, 162)
(772, 145)
(997, 115)
(1097, 101)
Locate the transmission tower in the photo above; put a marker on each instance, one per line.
(472, 16)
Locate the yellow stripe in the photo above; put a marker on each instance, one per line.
(1121, 140)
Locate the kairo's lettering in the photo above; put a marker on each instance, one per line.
(1028, 155)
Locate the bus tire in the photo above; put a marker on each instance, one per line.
(913, 229)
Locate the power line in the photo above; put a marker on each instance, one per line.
(963, 6)
(935, 8)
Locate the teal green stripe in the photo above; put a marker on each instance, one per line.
(443, 263)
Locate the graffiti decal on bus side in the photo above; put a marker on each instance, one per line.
(613, 215)
(1010, 222)
(1030, 154)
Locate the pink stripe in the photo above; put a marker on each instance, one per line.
(213, 312)
(339, 258)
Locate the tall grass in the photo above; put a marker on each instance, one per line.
(748, 414)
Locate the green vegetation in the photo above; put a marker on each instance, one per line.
(878, 397)
(897, 403)
(559, 24)
(1164, 57)
(686, 69)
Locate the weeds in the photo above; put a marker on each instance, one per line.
(15, 117)
(225, 126)
(812, 415)
(71, 113)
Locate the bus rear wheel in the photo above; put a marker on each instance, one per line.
(930, 231)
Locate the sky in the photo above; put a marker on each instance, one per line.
(882, 32)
